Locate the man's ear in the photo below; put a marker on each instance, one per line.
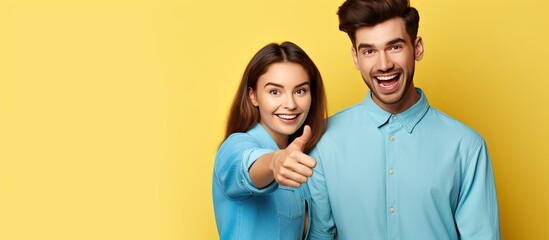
(419, 48)
(355, 57)
(253, 97)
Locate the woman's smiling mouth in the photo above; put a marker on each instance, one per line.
(287, 116)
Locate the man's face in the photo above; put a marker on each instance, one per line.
(385, 56)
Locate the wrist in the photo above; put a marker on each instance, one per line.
(272, 160)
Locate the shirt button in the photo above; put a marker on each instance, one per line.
(392, 209)
(394, 117)
(391, 171)
(392, 138)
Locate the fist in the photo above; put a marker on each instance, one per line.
(291, 167)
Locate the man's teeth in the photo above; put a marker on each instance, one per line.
(385, 78)
(287, 116)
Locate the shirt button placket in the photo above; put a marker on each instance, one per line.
(392, 190)
(392, 129)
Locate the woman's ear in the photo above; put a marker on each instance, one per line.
(253, 97)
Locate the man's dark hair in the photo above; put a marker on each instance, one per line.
(354, 14)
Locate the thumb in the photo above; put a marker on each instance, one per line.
(300, 142)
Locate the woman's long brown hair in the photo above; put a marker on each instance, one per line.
(244, 115)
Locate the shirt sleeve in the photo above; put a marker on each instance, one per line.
(322, 223)
(232, 162)
(477, 211)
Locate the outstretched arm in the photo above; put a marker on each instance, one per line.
(232, 162)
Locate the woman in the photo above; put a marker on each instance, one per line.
(278, 115)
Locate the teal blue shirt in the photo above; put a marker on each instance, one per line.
(243, 211)
(417, 175)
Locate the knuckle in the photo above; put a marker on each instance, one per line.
(292, 154)
(287, 164)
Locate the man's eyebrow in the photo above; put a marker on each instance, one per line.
(398, 40)
(367, 45)
(364, 45)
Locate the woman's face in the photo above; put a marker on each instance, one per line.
(283, 97)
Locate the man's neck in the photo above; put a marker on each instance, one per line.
(408, 100)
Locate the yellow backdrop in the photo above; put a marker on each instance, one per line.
(111, 110)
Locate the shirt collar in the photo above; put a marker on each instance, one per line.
(259, 133)
(409, 118)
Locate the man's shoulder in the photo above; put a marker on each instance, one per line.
(446, 124)
(341, 123)
(342, 117)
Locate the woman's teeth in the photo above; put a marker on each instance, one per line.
(287, 116)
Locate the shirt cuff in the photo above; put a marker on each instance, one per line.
(249, 158)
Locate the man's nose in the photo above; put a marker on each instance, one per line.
(385, 62)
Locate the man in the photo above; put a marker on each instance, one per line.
(393, 167)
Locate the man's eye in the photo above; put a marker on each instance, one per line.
(368, 52)
(396, 47)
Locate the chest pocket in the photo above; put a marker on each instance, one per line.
(289, 203)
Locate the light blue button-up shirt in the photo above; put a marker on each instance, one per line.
(243, 211)
(416, 175)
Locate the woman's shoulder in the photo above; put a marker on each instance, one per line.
(237, 142)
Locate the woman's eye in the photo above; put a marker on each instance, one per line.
(300, 91)
(274, 92)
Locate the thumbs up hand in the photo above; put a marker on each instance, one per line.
(290, 166)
